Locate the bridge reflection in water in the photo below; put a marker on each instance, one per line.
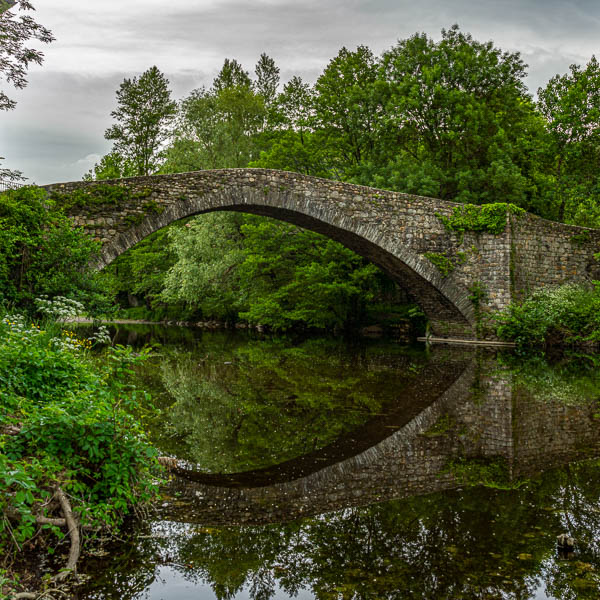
(464, 421)
(359, 517)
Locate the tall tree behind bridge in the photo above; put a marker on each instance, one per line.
(571, 105)
(456, 113)
(144, 112)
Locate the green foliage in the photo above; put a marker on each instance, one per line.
(572, 381)
(268, 273)
(443, 264)
(143, 115)
(95, 196)
(488, 218)
(40, 251)
(455, 116)
(346, 108)
(221, 127)
(15, 58)
(581, 239)
(111, 166)
(151, 206)
(141, 272)
(75, 430)
(492, 473)
(444, 425)
(478, 294)
(207, 253)
(565, 315)
(570, 104)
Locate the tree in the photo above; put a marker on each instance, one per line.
(232, 74)
(570, 104)
(455, 112)
(347, 110)
(293, 145)
(144, 113)
(40, 251)
(204, 275)
(267, 272)
(15, 58)
(111, 166)
(267, 78)
(220, 127)
(217, 129)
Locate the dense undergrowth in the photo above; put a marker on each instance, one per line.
(567, 315)
(42, 253)
(68, 442)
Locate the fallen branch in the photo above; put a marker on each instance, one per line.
(41, 519)
(73, 530)
(15, 515)
(39, 596)
(10, 430)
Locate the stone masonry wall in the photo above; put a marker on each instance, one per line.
(547, 253)
(393, 230)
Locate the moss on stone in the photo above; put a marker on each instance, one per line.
(134, 219)
(141, 194)
(98, 195)
(443, 264)
(152, 206)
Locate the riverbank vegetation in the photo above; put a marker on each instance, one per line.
(41, 252)
(74, 461)
(567, 315)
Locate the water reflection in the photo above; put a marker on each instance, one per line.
(461, 495)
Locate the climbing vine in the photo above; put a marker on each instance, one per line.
(487, 218)
(581, 239)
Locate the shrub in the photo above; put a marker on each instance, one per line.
(40, 250)
(564, 315)
(66, 422)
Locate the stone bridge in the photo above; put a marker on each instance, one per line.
(402, 234)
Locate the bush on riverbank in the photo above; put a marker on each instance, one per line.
(568, 315)
(68, 440)
(41, 252)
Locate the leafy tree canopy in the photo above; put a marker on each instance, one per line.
(144, 113)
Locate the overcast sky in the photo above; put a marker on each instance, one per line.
(56, 133)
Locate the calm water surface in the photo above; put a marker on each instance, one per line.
(365, 469)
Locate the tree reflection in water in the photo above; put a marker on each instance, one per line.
(486, 533)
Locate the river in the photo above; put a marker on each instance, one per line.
(326, 468)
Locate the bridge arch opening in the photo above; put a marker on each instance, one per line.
(366, 221)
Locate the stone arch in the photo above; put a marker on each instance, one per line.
(391, 230)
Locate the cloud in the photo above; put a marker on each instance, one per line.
(87, 161)
(64, 112)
